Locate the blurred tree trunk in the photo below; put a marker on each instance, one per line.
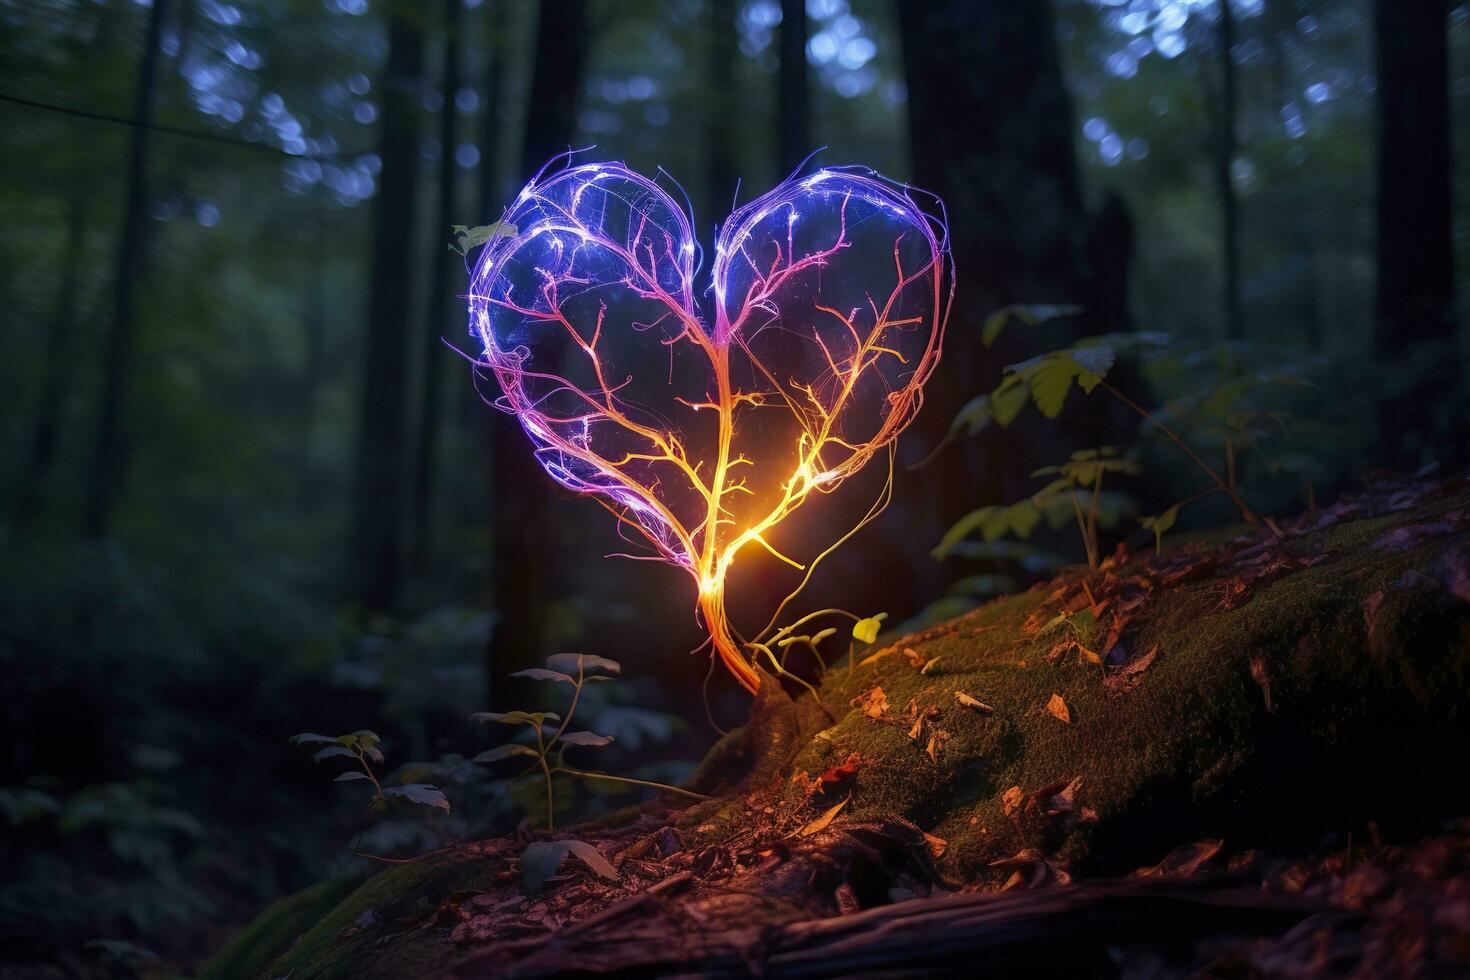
(314, 326)
(1225, 148)
(1414, 310)
(794, 94)
(520, 490)
(108, 470)
(719, 135)
(54, 367)
(990, 123)
(441, 291)
(490, 135)
(378, 510)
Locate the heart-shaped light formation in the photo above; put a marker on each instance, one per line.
(703, 430)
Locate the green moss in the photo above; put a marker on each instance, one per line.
(273, 931)
(1350, 722)
(348, 941)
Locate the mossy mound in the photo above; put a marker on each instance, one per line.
(1266, 690)
(1304, 686)
(375, 930)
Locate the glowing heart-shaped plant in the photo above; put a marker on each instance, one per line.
(703, 427)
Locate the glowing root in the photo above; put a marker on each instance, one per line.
(712, 609)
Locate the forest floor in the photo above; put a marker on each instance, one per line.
(1238, 757)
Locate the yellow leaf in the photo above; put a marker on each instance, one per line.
(1059, 709)
(866, 630)
(820, 824)
(1010, 800)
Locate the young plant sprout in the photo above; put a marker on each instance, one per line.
(578, 670)
(704, 423)
(362, 747)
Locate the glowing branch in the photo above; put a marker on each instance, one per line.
(830, 296)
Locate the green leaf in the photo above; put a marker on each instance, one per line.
(1031, 314)
(365, 738)
(1050, 381)
(569, 662)
(505, 752)
(962, 529)
(866, 630)
(536, 718)
(542, 674)
(585, 738)
(421, 793)
(311, 738)
(1160, 525)
(1095, 361)
(1009, 399)
(1022, 518)
(334, 750)
(349, 776)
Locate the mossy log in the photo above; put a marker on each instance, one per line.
(1267, 689)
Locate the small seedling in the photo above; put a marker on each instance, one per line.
(362, 747)
(577, 670)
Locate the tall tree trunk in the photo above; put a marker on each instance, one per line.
(794, 94)
(314, 316)
(440, 290)
(991, 127)
(378, 512)
(56, 356)
(1225, 149)
(520, 490)
(719, 134)
(108, 471)
(1414, 308)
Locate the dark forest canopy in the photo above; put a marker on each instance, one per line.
(251, 482)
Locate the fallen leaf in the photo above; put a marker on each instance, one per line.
(1127, 676)
(1059, 709)
(873, 703)
(1065, 799)
(971, 702)
(843, 771)
(1182, 862)
(917, 731)
(820, 824)
(915, 658)
(847, 900)
(929, 666)
(936, 743)
(937, 845)
(1010, 800)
